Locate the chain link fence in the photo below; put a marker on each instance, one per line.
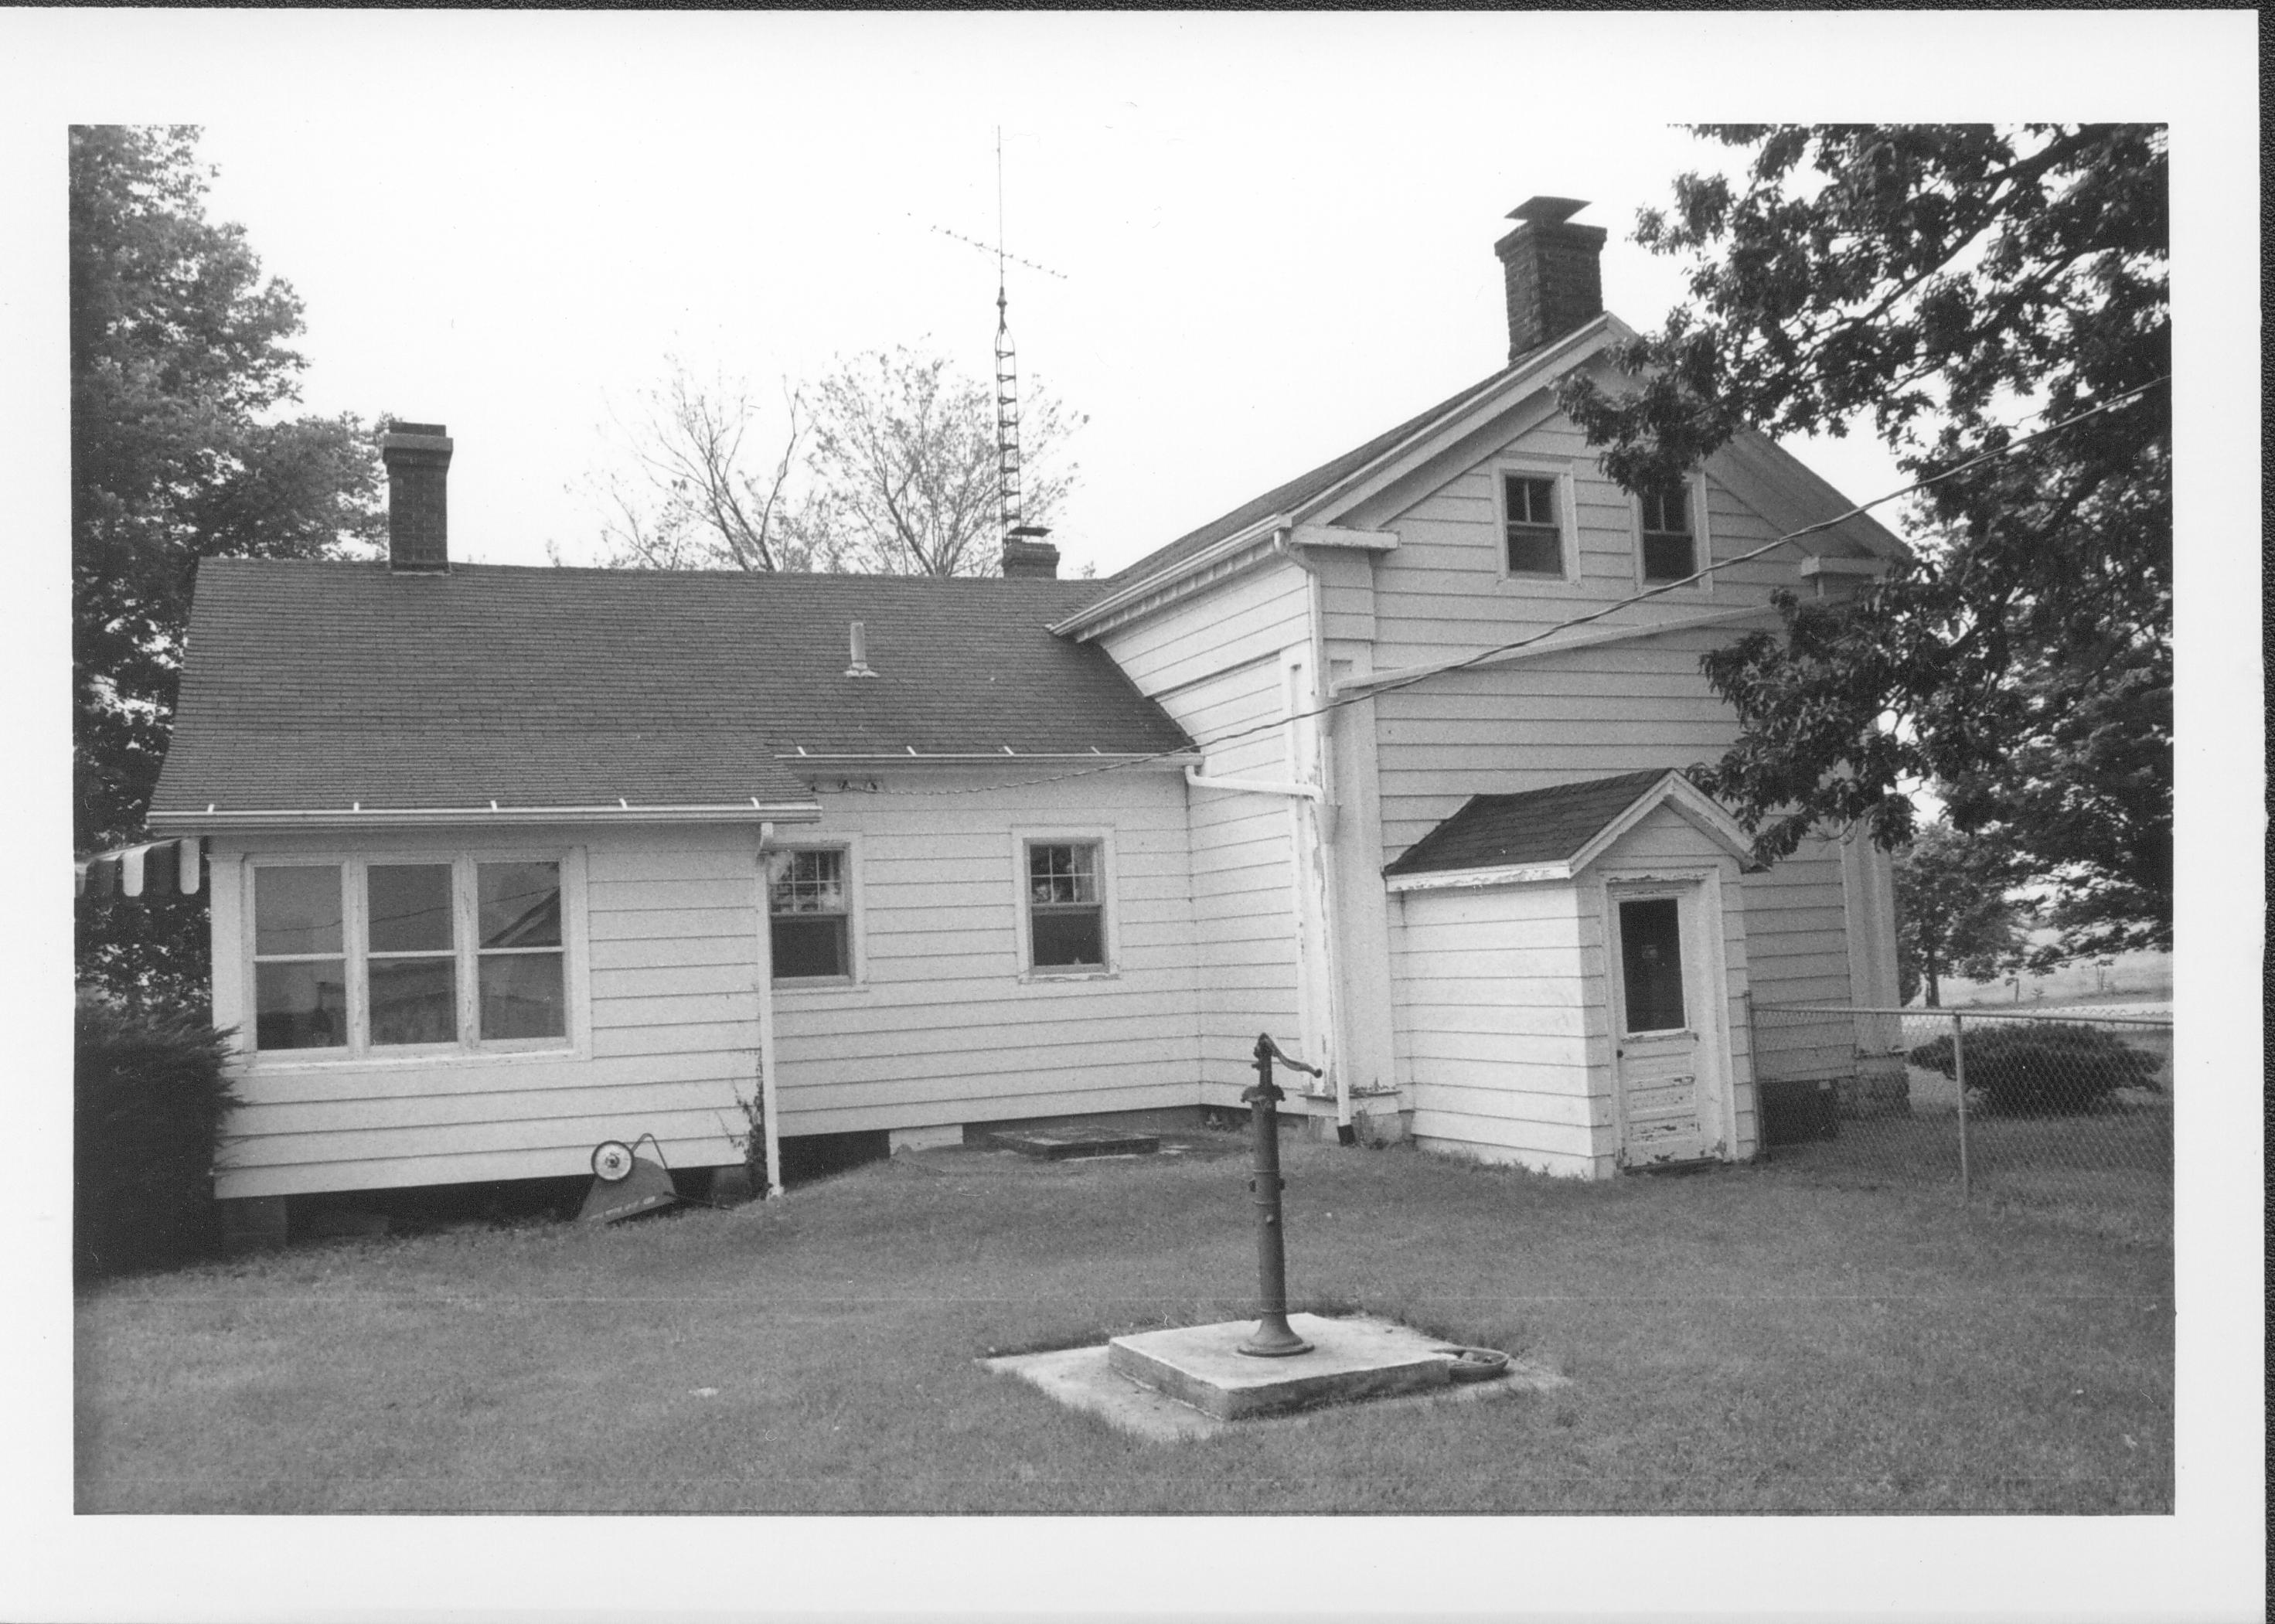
(2067, 1115)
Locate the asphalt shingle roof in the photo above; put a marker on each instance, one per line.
(313, 686)
(1536, 826)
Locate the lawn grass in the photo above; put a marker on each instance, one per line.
(1736, 1340)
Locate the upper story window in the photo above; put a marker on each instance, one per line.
(363, 956)
(1670, 546)
(810, 915)
(1066, 908)
(1532, 524)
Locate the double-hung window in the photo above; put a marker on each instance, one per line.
(1066, 905)
(810, 915)
(375, 956)
(1534, 531)
(1670, 546)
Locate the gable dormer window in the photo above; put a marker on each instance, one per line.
(1670, 545)
(1532, 523)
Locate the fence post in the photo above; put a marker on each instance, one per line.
(1959, 1075)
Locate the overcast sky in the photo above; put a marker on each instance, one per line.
(1273, 239)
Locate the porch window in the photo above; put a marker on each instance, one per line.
(520, 950)
(413, 961)
(1651, 964)
(300, 959)
(1066, 915)
(809, 915)
(370, 956)
(1669, 545)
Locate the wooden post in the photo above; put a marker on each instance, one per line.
(1959, 1075)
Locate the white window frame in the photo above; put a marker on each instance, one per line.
(1108, 903)
(1568, 519)
(857, 937)
(1702, 542)
(353, 868)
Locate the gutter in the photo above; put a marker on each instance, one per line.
(425, 816)
(1253, 786)
(1005, 757)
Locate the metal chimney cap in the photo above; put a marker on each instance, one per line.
(1547, 210)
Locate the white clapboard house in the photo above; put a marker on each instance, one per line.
(505, 862)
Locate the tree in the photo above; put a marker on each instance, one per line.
(1955, 915)
(180, 359)
(692, 500)
(1948, 282)
(905, 466)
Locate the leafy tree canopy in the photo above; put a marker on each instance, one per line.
(1947, 283)
(1955, 915)
(180, 364)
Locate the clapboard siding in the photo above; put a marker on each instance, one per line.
(1799, 955)
(664, 956)
(1494, 1026)
(1213, 662)
(945, 1026)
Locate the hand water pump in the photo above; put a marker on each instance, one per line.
(1273, 1338)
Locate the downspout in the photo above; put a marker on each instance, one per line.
(768, 1132)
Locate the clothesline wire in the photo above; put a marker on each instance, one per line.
(1374, 690)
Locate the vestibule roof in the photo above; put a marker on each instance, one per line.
(1552, 833)
(316, 687)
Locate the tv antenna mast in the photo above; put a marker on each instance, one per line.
(1008, 466)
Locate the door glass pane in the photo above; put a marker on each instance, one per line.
(520, 904)
(521, 996)
(300, 1006)
(296, 911)
(1651, 964)
(414, 1001)
(410, 907)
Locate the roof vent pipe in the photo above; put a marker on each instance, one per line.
(860, 652)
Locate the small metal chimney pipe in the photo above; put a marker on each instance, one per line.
(418, 459)
(1553, 271)
(860, 642)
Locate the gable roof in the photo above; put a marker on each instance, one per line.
(315, 686)
(1557, 831)
(1303, 486)
(1759, 469)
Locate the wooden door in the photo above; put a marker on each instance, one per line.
(1659, 1060)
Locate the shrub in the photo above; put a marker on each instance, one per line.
(150, 1091)
(2042, 1069)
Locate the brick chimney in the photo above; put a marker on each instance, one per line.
(417, 458)
(1027, 556)
(1553, 271)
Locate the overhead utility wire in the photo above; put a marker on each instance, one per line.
(1482, 655)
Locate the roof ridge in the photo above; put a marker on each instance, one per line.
(369, 566)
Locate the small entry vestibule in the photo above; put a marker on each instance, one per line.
(1588, 942)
